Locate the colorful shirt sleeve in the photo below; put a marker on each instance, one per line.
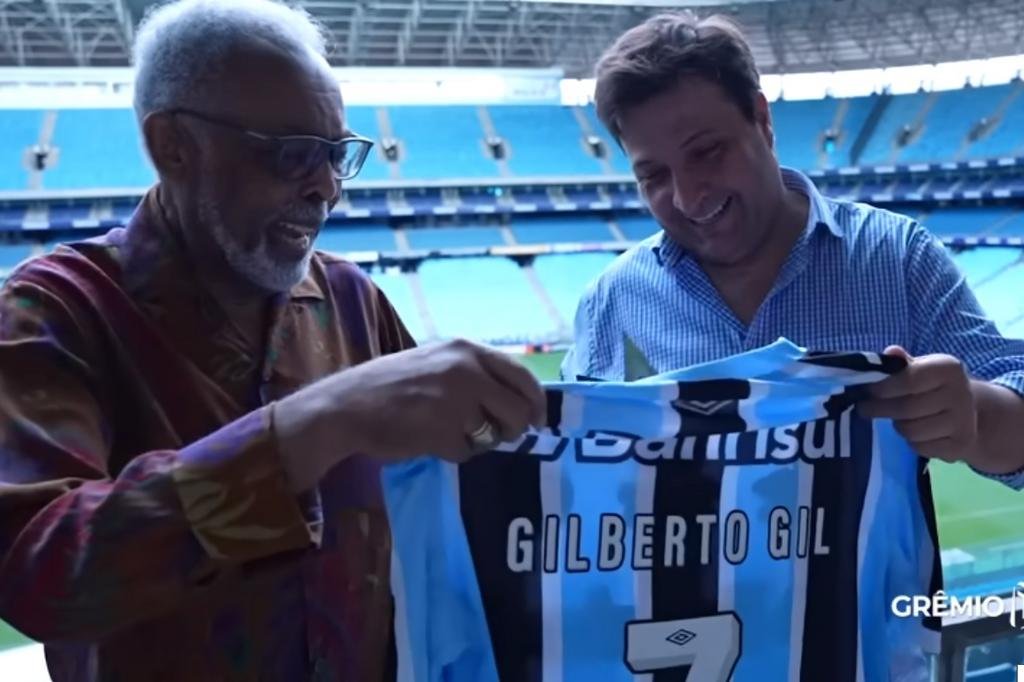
(92, 541)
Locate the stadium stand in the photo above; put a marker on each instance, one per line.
(11, 218)
(982, 265)
(397, 288)
(357, 239)
(565, 277)
(1004, 138)
(950, 121)
(453, 237)
(363, 121)
(11, 255)
(799, 130)
(98, 148)
(570, 228)
(901, 111)
(484, 298)
(441, 142)
(852, 116)
(1012, 226)
(963, 221)
(19, 130)
(637, 227)
(616, 157)
(543, 141)
(1006, 311)
(80, 215)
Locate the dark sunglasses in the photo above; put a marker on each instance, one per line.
(298, 156)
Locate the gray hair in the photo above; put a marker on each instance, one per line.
(181, 45)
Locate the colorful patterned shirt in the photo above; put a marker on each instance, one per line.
(147, 531)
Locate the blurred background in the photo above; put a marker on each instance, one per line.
(494, 195)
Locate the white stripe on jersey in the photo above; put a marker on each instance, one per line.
(551, 583)
(727, 501)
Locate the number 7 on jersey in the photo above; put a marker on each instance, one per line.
(710, 645)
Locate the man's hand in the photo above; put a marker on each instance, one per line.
(932, 404)
(421, 401)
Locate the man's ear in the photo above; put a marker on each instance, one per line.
(763, 118)
(168, 143)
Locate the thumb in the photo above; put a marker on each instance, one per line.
(899, 352)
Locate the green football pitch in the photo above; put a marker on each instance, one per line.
(974, 513)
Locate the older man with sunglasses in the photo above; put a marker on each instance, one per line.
(194, 408)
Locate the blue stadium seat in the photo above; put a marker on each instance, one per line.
(565, 277)
(396, 287)
(983, 263)
(857, 111)
(12, 254)
(120, 211)
(618, 159)
(907, 186)
(950, 120)
(911, 210)
(798, 130)
(872, 187)
(942, 184)
(902, 110)
(441, 142)
(98, 148)
(1005, 138)
(453, 237)
(1004, 310)
(961, 221)
(567, 229)
(543, 140)
(1013, 227)
(19, 130)
(347, 239)
(11, 218)
(537, 196)
(65, 216)
(486, 299)
(582, 196)
(363, 121)
(637, 227)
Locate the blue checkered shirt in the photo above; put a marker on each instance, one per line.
(859, 278)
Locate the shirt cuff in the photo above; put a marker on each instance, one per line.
(1013, 381)
(236, 496)
(1013, 479)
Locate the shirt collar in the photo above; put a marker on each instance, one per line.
(154, 260)
(819, 218)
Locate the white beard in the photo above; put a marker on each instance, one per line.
(258, 265)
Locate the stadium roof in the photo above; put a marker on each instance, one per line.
(787, 35)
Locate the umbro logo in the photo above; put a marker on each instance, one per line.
(681, 637)
(703, 407)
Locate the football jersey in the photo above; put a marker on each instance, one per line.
(731, 521)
